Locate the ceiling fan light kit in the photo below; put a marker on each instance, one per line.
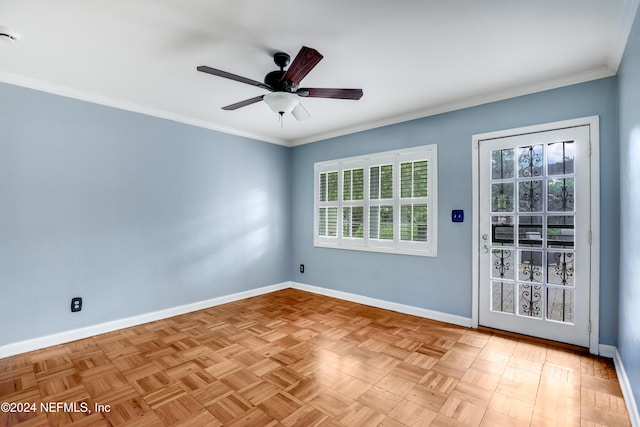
(281, 102)
(283, 85)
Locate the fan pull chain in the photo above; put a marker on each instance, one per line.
(281, 119)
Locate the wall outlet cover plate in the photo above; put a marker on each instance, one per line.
(457, 215)
(76, 304)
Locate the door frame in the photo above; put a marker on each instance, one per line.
(594, 164)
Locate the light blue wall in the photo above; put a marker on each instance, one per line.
(137, 214)
(629, 113)
(444, 283)
(130, 212)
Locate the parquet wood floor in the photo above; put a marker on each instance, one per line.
(292, 358)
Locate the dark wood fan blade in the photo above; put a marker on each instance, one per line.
(230, 76)
(304, 62)
(243, 103)
(314, 92)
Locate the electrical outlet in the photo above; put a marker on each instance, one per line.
(301, 268)
(76, 304)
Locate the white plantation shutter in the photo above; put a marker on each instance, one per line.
(413, 200)
(416, 202)
(381, 171)
(327, 203)
(353, 202)
(383, 202)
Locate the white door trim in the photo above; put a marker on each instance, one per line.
(594, 288)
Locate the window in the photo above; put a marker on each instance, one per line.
(328, 212)
(384, 202)
(353, 203)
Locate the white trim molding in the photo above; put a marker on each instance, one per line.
(625, 24)
(128, 106)
(445, 107)
(346, 200)
(387, 305)
(89, 331)
(594, 137)
(13, 349)
(607, 351)
(102, 328)
(625, 383)
(486, 98)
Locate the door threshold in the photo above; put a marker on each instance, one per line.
(513, 335)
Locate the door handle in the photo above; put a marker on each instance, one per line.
(485, 247)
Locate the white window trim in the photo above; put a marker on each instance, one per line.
(395, 246)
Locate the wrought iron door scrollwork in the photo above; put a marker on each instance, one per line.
(530, 196)
(563, 267)
(530, 271)
(531, 300)
(502, 199)
(502, 262)
(530, 161)
(561, 195)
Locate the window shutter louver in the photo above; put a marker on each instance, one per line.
(381, 202)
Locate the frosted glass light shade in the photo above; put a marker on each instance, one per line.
(281, 102)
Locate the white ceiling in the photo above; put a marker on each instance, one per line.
(412, 58)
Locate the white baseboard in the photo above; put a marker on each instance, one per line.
(609, 351)
(388, 305)
(89, 331)
(604, 350)
(627, 391)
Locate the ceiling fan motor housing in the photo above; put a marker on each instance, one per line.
(274, 78)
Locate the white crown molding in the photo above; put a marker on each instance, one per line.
(627, 16)
(589, 75)
(123, 105)
(594, 74)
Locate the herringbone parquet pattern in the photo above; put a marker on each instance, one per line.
(292, 358)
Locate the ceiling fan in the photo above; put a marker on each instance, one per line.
(284, 93)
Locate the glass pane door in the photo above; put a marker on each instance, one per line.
(534, 223)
